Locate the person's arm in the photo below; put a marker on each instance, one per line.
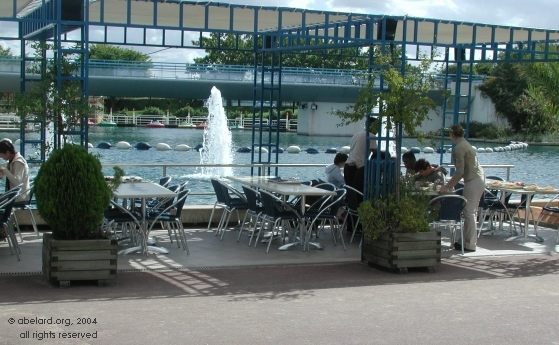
(340, 181)
(17, 175)
(459, 158)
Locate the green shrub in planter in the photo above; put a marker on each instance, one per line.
(72, 194)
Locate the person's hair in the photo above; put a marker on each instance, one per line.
(6, 146)
(421, 164)
(340, 158)
(408, 156)
(457, 130)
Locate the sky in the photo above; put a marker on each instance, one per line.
(532, 13)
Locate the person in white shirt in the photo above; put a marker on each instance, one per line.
(334, 171)
(17, 171)
(357, 156)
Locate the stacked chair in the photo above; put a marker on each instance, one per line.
(327, 212)
(450, 215)
(7, 201)
(276, 212)
(228, 199)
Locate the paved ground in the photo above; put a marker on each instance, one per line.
(321, 297)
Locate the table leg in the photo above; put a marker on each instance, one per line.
(144, 238)
(302, 231)
(527, 224)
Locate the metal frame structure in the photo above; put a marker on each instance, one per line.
(278, 30)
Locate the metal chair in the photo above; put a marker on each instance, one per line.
(254, 210)
(228, 203)
(7, 201)
(173, 222)
(490, 205)
(128, 220)
(549, 212)
(275, 211)
(26, 205)
(353, 198)
(450, 215)
(328, 212)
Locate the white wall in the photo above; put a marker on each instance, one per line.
(321, 122)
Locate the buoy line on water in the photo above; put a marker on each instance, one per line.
(124, 145)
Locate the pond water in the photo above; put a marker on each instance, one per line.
(535, 164)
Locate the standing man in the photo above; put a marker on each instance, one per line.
(467, 166)
(357, 157)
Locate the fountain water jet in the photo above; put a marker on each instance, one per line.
(217, 138)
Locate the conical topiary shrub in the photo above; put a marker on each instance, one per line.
(72, 194)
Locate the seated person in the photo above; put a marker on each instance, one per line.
(408, 159)
(334, 171)
(429, 173)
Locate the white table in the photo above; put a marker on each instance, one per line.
(285, 189)
(143, 191)
(522, 191)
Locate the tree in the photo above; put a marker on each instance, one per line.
(227, 49)
(110, 52)
(543, 90)
(5, 52)
(404, 101)
(62, 107)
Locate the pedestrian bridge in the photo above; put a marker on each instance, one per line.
(176, 80)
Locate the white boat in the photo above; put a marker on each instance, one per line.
(186, 124)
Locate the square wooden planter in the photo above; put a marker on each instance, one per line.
(67, 260)
(400, 251)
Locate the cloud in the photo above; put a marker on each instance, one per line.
(538, 13)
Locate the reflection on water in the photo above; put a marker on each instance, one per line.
(536, 164)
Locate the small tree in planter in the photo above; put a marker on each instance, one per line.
(396, 231)
(394, 223)
(72, 195)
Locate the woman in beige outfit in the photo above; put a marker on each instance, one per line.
(467, 166)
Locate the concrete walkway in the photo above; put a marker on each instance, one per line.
(228, 293)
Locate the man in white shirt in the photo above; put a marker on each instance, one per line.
(357, 155)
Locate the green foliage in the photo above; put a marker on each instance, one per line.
(5, 52)
(526, 94)
(409, 213)
(405, 99)
(152, 111)
(63, 106)
(183, 112)
(487, 130)
(72, 194)
(229, 49)
(110, 52)
(117, 178)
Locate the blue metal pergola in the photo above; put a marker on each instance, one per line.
(275, 31)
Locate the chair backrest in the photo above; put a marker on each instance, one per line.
(7, 201)
(219, 193)
(231, 193)
(273, 206)
(451, 207)
(179, 204)
(252, 198)
(336, 202)
(164, 181)
(326, 186)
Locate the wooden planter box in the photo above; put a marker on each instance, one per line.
(400, 251)
(67, 260)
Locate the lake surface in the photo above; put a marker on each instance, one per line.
(535, 164)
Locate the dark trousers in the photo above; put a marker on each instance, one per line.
(349, 174)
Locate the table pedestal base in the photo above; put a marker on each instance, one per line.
(535, 237)
(139, 248)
